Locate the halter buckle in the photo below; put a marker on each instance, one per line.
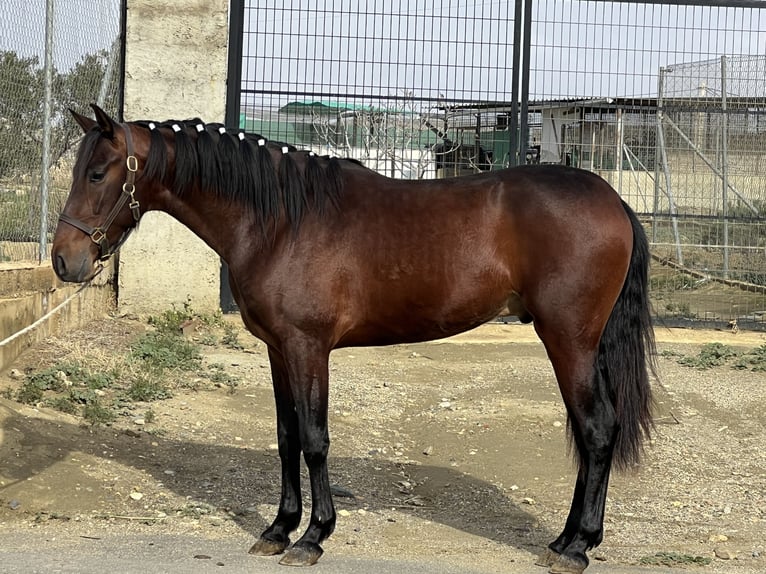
(132, 163)
(135, 208)
(98, 236)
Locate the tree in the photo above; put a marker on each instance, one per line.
(22, 95)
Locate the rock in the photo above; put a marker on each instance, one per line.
(341, 492)
(170, 472)
(139, 421)
(343, 512)
(428, 450)
(14, 504)
(723, 553)
(718, 538)
(136, 495)
(16, 374)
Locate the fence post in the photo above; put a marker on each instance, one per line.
(47, 101)
(725, 169)
(662, 158)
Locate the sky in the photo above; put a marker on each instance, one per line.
(431, 49)
(23, 24)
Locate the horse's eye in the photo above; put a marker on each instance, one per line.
(97, 176)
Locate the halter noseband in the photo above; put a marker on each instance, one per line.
(98, 234)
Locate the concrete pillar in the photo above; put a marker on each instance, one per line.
(175, 68)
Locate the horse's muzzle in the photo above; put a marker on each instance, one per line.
(72, 269)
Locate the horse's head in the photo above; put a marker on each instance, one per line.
(102, 206)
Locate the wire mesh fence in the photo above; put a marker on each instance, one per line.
(665, 100)
(54, 55)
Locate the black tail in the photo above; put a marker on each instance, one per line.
(627, 353)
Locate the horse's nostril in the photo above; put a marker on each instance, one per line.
(60, 266)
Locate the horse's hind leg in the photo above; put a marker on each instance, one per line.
(275, 539)
(593, 426)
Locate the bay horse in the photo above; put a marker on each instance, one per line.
(324, 253)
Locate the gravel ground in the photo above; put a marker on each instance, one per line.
(454, 451)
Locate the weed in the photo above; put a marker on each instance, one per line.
(144, 389)
(150, 416)
(33, 389)
(669, 354)
(96, 381)
(208, 339)
(63, 404)
(671, 559)
(754, 360)
(161, 351)
(231, 337)
(221, 378)
(710, 355)
(97, 414)
(172, 320)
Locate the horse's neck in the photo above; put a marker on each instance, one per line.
(217, 222)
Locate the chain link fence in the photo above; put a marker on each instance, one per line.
(54, 55)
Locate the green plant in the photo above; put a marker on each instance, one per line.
(97, 414)
(671, 559)
(172, 320)
(150, 416)
(710, 355)
(231, 337)
(754, 360)
(62, 403)
(34, 386)
(220, 377)
(161, 350)
(144, 389)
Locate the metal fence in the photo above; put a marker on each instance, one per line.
(54, 55)
(666, 100)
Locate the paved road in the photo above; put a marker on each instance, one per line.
(169, 554)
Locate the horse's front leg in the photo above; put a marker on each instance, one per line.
(275, 539)
(307, 366)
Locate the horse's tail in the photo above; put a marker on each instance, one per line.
(627, 352)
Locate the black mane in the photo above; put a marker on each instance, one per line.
(241, 167)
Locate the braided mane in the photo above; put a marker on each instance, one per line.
(241, 167)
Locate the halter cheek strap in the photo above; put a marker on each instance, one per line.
(98, 234)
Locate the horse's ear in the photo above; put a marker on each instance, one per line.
(105, 122)
(84, 122)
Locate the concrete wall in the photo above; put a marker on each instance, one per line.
(34, 305)
(698, 192)
(175, 67)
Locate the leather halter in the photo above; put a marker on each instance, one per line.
(98, 234)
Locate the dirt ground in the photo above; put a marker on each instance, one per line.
(454, 449)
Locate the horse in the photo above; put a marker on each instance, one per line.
(323, 253)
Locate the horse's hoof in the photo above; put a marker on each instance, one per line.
(268, 547)
(566, 565)
(547, 558)
(302, 554)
